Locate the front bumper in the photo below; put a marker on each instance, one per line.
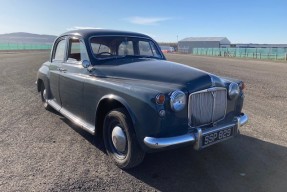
(194, 138)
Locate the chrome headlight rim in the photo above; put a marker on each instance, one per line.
(233, 90)
(177, 100)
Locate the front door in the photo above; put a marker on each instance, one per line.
(58, 56)
(72, 78)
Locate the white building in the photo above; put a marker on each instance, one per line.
(186, 45)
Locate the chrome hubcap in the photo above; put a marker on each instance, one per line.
(119, 139)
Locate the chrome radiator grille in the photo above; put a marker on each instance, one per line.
(207, 106)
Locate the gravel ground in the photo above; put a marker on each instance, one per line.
(42, 151)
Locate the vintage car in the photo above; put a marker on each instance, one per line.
(166, 49)
(120, 86)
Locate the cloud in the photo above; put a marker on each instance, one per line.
(147, 20)
(77, 27)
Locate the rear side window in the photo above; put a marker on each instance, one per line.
(145, 48)
(60, 51)
(148, 48)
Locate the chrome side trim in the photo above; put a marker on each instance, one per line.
(78, 121)
(81, 123)
(192, 138)
(55, 105)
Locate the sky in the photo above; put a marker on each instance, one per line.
(241, 21)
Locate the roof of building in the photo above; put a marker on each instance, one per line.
(204, 39)
(86, 33)
(252, 45)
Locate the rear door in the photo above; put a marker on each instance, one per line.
(58, 56)
(73, 77)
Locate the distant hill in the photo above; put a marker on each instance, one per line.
(27, 38)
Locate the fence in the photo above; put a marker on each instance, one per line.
(254, 53)
(23, 46)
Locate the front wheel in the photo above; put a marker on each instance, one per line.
(120, 139)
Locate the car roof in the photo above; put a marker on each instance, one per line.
(86, 33)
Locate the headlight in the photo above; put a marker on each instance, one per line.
(177, 100)
(233, 90)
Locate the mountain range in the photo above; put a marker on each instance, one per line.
(27, 38)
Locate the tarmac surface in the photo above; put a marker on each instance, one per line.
(43, 151)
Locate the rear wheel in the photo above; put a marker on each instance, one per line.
(120, 139)
(44, 97)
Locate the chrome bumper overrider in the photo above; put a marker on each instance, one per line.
(192, 138)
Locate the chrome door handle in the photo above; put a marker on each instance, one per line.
(61, 69)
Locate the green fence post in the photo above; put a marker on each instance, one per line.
(285, 56)
(245, 52)
(269, 51)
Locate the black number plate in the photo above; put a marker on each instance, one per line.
(216, 136)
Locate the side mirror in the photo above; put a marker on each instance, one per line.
(86, 63)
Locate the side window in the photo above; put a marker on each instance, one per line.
(60, 51)
(77, 51)
(100, 48)
(126, 48)
(155, 50)
(145, 48)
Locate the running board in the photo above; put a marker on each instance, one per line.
(81, 123)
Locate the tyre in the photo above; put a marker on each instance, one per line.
(120, 139)
(44, 97)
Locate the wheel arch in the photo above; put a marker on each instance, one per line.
(106, 104)
(39, 84)
(43, 79)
